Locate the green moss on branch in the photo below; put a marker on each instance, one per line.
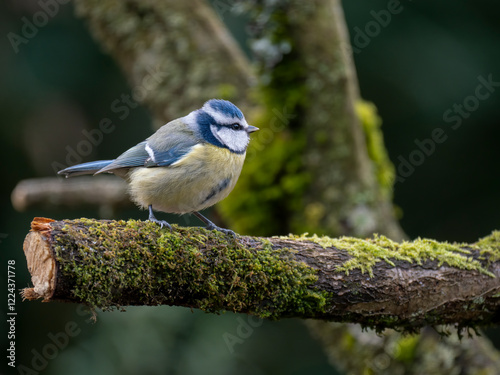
(375, 282)
(134, 262)
(366, 253)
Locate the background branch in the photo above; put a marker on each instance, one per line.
(358, 351)
(105, 193)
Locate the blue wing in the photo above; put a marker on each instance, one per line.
(168, 157)
(169, 144)
(144, 155)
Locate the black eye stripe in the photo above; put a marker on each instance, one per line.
(236, 126)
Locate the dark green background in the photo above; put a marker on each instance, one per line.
(425, 59)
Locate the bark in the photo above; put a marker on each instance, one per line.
(377, 283)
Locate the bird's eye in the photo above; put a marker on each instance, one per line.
(236, 126)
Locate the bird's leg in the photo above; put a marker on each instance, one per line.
(212, 226)
(161, 223)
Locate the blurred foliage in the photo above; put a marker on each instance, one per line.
(274, 169)
(419, 63)
(274, 178)
(384, 169)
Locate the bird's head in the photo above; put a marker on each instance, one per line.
(222, 124)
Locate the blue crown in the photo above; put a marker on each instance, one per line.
(225, 107)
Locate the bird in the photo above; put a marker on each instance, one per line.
(187, 165)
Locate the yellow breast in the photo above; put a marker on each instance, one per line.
(203, 177)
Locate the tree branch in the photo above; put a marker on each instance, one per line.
(59, 193)
(376, 282)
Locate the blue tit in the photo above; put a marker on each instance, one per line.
(189, 164)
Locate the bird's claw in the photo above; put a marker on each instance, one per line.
(212, 226)
(161, 223)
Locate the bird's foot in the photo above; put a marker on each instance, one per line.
(161, 223)
(212, 226)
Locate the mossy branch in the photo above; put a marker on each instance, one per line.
(375, 282)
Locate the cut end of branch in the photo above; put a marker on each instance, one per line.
(41, 263)
(29, 294)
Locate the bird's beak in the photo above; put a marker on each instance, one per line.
(252, 129)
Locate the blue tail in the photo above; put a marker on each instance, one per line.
(85, 168)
